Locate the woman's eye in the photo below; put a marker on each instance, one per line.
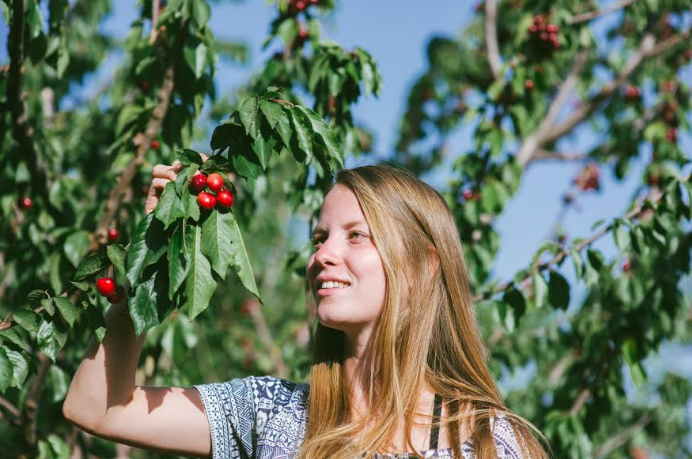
(357, 236)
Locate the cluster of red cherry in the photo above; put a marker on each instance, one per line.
(223, 197)
(588, 178)
(544, 36)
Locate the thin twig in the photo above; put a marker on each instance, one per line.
(491, 37)
(152, 129)
(9, 407)
(581, 400)
(620, 439)
(155, 5)
(31, 405)
(584, 17)
(266, 337)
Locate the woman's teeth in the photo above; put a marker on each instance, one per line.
(333, 285)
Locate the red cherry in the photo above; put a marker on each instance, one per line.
(468, 194)
(538, 19)
(528, 84)
(215, 182)
(302, 34)
(113, 234)
(206, 200)
(300, 5)
(544, 36)
(26, 203)
(105, 286)
(144, 86)
(198, 183)
(225, 199)
(552, 28)
(533, 28)
(118, 296)
(626, 266)
(155, 144)
(671, 135)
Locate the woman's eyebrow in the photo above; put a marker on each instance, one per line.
(322, 230)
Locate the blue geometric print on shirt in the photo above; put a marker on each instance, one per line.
(265, 418)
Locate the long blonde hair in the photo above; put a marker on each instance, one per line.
(427, 332)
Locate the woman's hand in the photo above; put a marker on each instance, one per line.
(161, 175)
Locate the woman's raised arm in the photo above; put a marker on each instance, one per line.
(104, 400)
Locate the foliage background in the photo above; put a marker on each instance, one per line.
(397, 37)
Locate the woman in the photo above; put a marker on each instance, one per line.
(398, 371)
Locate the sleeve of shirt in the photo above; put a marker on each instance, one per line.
(506, 443)
(230, 409)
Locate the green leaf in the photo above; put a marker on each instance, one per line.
(48, 306)
(58, 382)
(271, 111)
(5, 370)
(199, 286)
(20, 367)
(246, 168)
(325, 135)
(147, 246)
(241, 261)
(191, 205)
(622, 237)
(578, 263)
(142, 306)
(201, 12)
(26, 319)
(250, 116)
(36, 296)
(116, 254)
(188, 157)
(170, 207)
(283, 127)
(540, 290)
(76, 247)
(83, 286)
(263, 148)
(558, 290)
(515, 298)
(216, 241)
(96, 321)
(302, 128)
(51, 338)
(68, 310)
(92, 265)
(178, 267)
(200, 59)
(14, 336)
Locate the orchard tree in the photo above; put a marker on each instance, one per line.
(532, 79)
(75, 173)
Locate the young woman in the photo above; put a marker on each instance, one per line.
(399, 367)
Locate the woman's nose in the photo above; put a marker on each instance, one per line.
(327, 254)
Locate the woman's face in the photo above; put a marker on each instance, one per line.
(345, 272)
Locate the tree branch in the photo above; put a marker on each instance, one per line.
(535, 140)
(153, 127)
(491, 37)
(21, 130)
(584, 17)
(647, 48)
(656, 196)
(620, 439)
(9, 407)
(542, 154)
(155, 5)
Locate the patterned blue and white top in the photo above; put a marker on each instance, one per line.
(265, 418)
